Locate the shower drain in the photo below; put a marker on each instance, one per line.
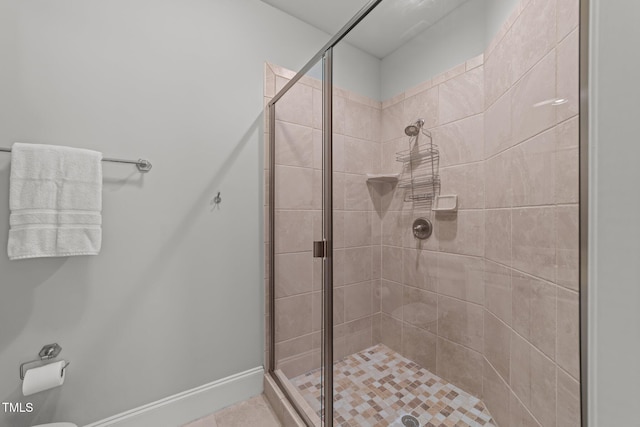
(409, 421)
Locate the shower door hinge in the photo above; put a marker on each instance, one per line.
(320, 249)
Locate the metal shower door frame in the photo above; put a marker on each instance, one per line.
(326, 54)
(327, 236)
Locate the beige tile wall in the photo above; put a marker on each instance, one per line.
(357, 255)
(490, 301)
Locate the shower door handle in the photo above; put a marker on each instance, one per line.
(320, 249)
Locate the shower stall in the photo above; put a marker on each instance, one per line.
(423, 257)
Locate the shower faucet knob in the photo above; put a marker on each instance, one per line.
(422, 228)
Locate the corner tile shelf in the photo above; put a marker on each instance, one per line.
(383, 178)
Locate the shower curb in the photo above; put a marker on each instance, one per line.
(281, 405)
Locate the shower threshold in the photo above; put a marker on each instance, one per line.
(376, 387)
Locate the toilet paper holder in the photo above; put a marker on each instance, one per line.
(48, 352)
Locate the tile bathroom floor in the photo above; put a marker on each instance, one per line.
(377, 386)
(253, 412)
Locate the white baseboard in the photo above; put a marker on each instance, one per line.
(179, 409)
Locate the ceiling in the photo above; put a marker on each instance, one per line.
(389, 26)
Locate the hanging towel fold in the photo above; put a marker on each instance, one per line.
(55, 197)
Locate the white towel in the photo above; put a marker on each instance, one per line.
(55, 197)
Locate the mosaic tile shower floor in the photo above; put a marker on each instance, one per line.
(377, 386)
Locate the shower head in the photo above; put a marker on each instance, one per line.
(414, 128)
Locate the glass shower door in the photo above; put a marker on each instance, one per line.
(478, 323)
(299, 236)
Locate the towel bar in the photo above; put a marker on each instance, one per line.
(143, 165)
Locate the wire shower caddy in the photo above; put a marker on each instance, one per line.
(420, 171)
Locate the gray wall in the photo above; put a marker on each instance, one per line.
(460, 35)
(353, 70)
(614, 346)
(175, 298)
